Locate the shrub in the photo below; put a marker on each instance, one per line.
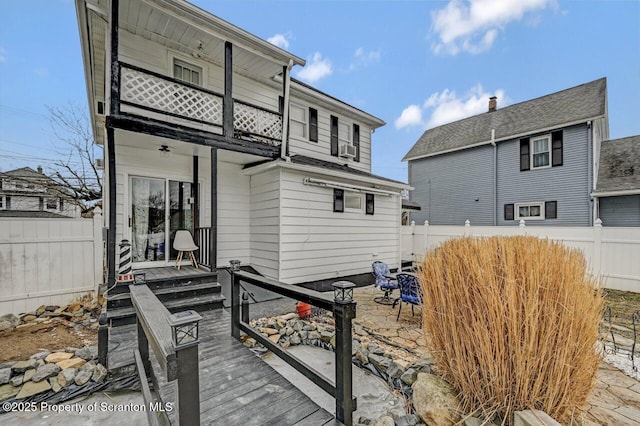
(513, 324)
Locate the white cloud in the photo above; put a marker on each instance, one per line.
(363, 58)
(280, 40)
(446, 106)
(411, 116)
(472, 26)
(316, 68)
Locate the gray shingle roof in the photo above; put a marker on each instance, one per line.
(578, 103)
(327, 165)
(619, 166)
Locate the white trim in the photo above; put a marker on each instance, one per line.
(346, 187)
(530, 204)
(615, 193)
(505, 138)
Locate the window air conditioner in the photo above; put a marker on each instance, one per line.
(347, 150)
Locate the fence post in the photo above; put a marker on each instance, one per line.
(344, 310)
(426, 237)
(597, 247)
(97, 249)
(467, 228)
(523, 226)
(413, 241)
(235, 305)
(188, 386)
(103, 339)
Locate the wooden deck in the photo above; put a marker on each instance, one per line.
(168, 272)
(236, 386)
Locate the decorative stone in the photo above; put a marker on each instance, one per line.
(380, 362)
(51, 308)
(65, 377)
(99, 373)
(407, 420)
(29, 374)
(362, 355)
(313, 335)
(384, 421)
(375, 349)
(289, 331)
(83, 377)
(5, 376)
(8, 391)
(7, 364)
(22, 366)
(17, 380)
(28, 318)
(298, 326)
(57, 357)
(40, 355)
(269, 331)
(395, 370)
(87, 353)
(304, 335)
(249, 343)
(33, 388)
(45, 371)
(40, 363)
(409, 376)
(295, 339)
(71, 349)
(435, 401)
(364, 420)
(41, 310)
(71, 363)
(274, 337)
(89, 366)
(55, 385)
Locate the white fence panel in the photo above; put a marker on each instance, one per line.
(612, 253)
(48, 261)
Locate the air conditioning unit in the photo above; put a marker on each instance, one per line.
(347, 150)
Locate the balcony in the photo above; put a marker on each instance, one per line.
(165, 95)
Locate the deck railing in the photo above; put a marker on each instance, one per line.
(343, 312)
(203, 241)
(158, 93)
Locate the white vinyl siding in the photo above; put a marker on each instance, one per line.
(265, 223)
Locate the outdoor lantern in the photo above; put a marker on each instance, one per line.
(343, 291)
(235, 265)
(139, 277)
(184, 328)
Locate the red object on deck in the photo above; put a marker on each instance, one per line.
(304, 309)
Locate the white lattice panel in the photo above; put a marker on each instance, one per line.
(257, 121)
(164, 95)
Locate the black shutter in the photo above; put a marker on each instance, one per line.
(508, 212)
(334, 136)
(313, 125)
(370, 203)
(524, 154)
(551, 210)
(61, 204)
(280, 104)
(338, 200)
(8, 201)
(356, 142)
(556, 151)
(41, 204)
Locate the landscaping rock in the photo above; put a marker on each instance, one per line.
(364, 420)
(71, 363)
(295, 339)
(45, 372)
(55, 385)
(5, 376)
(40, 363)
(7, 364)
(99, 373)
(29, 374)
(41, 310)
(407, 420)
(22, 366)
(40, 355)
(274, 338)
(435, 401)
(57, 357)
(269, 331)
(384, 421)
(8, 391)
(33, 388)
(83, 377)
(313, 335)
(395, 370)
(27, 318)
(17, 380)
(249, 343)
(380, 362)
(89, 366)
(409, 376)
(65, 377)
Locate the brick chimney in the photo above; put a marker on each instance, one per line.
(493, 103)
(40, 169)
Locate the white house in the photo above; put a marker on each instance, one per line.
(204, 129)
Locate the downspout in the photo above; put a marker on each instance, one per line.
(286, 81)
(590, 178)
(495, 177)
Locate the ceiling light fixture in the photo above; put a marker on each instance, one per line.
(164, 149)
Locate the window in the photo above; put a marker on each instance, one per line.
(334, 136)
(344, 133)
(352, 202)
(370, 200)
(529, 211)
(338, 200)
(298, 121)
(51, 204)
(313, 125)
(187, 72)
(2, 203)
(540, 151)
(356, 141)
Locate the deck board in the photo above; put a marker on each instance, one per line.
(236, 387)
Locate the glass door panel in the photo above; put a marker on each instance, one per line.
(148, 219)
(180, 211)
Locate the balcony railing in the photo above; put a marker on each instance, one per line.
(155, 92)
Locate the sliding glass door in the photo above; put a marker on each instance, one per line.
(159, 207)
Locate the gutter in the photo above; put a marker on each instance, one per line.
(616, 193)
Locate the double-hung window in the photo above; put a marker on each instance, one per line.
(187, 72)
(540, 151)
(344, 133)
(298, 121)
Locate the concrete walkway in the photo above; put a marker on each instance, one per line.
(615, 399)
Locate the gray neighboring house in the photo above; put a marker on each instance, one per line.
(534, 160)
(617, 191)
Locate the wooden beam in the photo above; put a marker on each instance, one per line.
(196, 195)
(114, 107)
(213, 235)
(149, 126)
(111, 224)
(227, 118)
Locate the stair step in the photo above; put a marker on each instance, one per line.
(167, 293)
(126, 315)
(170, 282)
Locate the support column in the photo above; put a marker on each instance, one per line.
(227, 111)
(196, 195)
(114, 107)
(345, 404)
(213, 235)
(111, 224)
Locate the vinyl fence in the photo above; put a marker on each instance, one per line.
(48, 261)
(612, 253)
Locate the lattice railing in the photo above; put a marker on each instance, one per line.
(166, 95)
(256, 121)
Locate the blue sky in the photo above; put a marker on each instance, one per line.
(415, 64)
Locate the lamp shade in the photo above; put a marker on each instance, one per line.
(183, 241)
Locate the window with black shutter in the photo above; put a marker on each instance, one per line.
(338, 200)
(356, 141)
(556, 148)
(313, 125)
(508, 212)
(551, 210)
(524, 154)
(334, 136)
(370, 204)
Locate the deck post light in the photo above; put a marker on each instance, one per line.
(185, 328)
(343, 292)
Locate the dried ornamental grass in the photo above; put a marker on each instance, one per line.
(513, 324)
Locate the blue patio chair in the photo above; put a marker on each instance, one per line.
(410, 292)
(383, 282)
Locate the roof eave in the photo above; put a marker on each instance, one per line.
(616, 193)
